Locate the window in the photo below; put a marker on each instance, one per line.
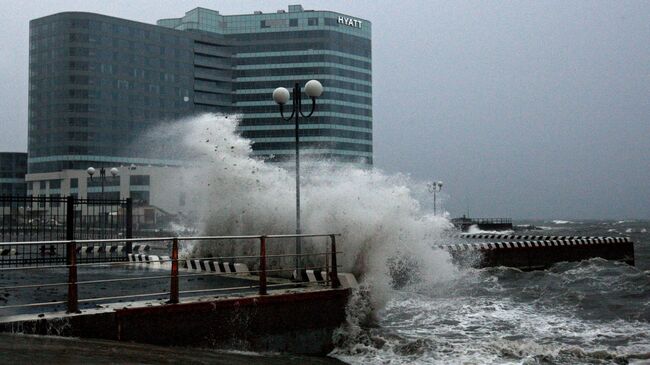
(55, 184)
(293, 22)
(54, 203)
(139, 179)
(331, 22)
(74, 183)
(312, 21)
(42, 185)
(140, 197)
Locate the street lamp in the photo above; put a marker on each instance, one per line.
(434, 187)
(102, 175)
(313, 89)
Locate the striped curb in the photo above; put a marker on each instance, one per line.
(533, 244)
(8, 252)
(347, 280)
(215, 266)
(154, 260)
(530, 238)
(91, 250)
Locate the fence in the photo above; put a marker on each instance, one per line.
(52, 219)
(465, 220)
(259, 268)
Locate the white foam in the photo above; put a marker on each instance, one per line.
(558, 221)
(234, 194)
(453, 328)
(473, 229)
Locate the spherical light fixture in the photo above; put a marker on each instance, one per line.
(313, 89)
(91, 171)
(114, 171)
(281, 95)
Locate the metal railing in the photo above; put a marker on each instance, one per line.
(482, 220)
(72, 265)
(47, 218)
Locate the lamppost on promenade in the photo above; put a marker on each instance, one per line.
(313, 89)
(434, 187)
(102, 176)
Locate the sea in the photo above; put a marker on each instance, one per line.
(590, 312)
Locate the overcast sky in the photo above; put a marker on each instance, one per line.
(529, 109)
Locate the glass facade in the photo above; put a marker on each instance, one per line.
(284, 48)
(97, 83)
(13, 167)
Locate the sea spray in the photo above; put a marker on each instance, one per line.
(235, 194)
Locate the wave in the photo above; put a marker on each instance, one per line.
(376, 213)
(578, 313)
(473, 229)
(558, 221)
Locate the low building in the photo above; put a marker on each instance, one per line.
(153, 186)
(13, 167)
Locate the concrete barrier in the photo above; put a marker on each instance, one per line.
(140, 248)
(8, 252)
(511, 237)
(212, 265)
(296, 322)
(347, 280)
(540, 254)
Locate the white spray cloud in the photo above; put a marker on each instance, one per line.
(375, 213)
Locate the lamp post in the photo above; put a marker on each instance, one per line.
(102, 176)
(313, 89)
(434, 187)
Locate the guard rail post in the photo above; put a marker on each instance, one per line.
(334, 273)
(73, 299)
(129, 224)
(262, 272)
(173, 292)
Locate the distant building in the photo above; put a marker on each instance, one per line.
(97, 83)
(13, 167)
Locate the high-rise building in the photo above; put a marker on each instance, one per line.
(279, 49)
(97, 83)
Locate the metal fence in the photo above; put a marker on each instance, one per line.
(51, 219)
(261, 266)
(482, 220)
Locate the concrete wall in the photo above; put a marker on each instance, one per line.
(533, 255)
(300, 322)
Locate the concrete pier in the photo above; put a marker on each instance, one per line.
(295, 321)
(538, 252)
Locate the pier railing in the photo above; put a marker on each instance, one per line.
(261, 269)
(482, 220)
